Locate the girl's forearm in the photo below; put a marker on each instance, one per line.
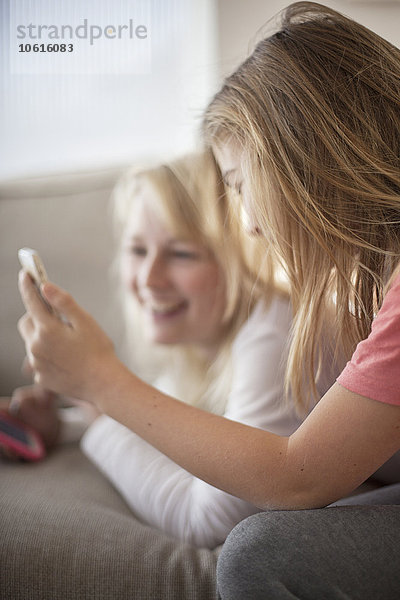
(325, 459)
(243, 461)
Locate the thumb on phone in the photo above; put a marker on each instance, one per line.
(61, 302)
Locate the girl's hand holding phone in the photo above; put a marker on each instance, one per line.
(65, 357)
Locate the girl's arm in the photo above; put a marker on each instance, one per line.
(158, 490)
(341, 443)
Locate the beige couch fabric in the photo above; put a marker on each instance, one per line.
(66, 534)
(67, 218)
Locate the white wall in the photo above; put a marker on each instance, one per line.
(59, 121)
(63, 121)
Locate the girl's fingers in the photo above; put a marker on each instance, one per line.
(25, 327)
(31, 298)
(26, 368)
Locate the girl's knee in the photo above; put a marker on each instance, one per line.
(242, 570)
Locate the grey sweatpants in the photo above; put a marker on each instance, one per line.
(350, 550)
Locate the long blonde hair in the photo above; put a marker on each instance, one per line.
(191, 201)
(316, 109)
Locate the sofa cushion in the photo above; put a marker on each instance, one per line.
(67, 534)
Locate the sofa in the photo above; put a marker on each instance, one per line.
(65, 533)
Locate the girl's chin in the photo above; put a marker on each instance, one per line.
(163, 333)
(163, 339)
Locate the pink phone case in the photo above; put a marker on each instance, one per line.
(21, 439)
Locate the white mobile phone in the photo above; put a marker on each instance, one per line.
(32, 263)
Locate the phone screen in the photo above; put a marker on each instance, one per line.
(19, 439)
(13, 431)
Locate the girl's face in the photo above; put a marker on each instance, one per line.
(177, 282)
(229, 156)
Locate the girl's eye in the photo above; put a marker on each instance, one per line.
(235, 189)
(137, 250)
(233, 186)
(184, 254)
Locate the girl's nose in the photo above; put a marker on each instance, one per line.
(154, 274)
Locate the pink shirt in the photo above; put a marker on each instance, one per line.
(374, 369)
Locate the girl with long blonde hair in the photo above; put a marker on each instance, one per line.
(308, 132)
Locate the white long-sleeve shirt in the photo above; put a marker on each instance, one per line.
(166, 496)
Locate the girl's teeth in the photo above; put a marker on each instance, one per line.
(164, 308)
